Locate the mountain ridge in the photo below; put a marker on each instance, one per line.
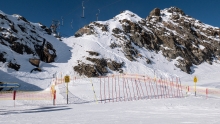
(178, 36)
(19, 36)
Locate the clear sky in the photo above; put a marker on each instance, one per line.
(44, 11)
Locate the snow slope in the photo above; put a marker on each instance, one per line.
(193, 110)
(74, 48)
(175, 110)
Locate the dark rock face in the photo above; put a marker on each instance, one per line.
(2, 59)
(46, 52)
(148, 61)
(100, 65)
(188, 41)
(184, 65)
(155, 12)
(92, 53)
(14, 66)
(114, 66)
(116, 31)
(86, 69)
(170, 31)
(88, 29)
(23, 37)
(98, 68)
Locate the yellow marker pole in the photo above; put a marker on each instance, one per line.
(67, 80)
(61, 78)
(94, 91)
(195, 89)
(195, 80)
(67, 92)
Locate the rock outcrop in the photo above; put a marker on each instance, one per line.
(99, 67)
(170, 31)
(23, 37)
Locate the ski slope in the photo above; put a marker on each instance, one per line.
(193, 110)
(189, 109)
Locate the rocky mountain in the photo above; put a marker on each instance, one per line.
(18, 36)
(178, 37)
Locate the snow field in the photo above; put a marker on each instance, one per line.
(190, 109)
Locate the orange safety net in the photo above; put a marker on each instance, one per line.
(6, 95)
(26, 95)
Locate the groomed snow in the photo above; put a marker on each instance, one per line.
(193, 110)
(174, 110)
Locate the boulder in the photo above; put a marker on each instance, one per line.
(34, 61)
(99, 64)
(46, 52)
(184, 65)
(116, 31)
(92, 53)
(86, 69)
(155, 12)
(2, 59)
(82, 31)
(14, 66)
(129, 57)
(114, 66)
(148, 61)
(104, 28)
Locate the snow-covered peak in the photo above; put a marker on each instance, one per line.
(20, 37)
(169, 31)
(163, 45)
(129, 16)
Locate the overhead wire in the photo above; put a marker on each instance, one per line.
(90, 13)
(75, 9)
(103, 7)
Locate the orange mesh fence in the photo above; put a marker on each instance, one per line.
(37, 95)
(214, 92)
(126, 88)
(26, 95)
(6, 95)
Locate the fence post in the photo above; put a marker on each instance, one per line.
(155, 81)
(54, 97)
(119, 89)
(115, 88)
(100, 90)
(129, 89)
(206, 93)
(141, 88)
(188, 89)
(146, 88)
(14, 95)
(181, 87)
(108, 90)
(112, 88)
(133, 88)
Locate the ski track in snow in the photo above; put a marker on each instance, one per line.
(107, 49)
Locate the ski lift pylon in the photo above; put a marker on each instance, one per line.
(83, 9)
(62, 20)
(71, 24)
(97, 15)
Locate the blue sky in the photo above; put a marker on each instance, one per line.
(44, 11)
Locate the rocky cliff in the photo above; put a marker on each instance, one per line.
(19, 36)
(171, 32)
